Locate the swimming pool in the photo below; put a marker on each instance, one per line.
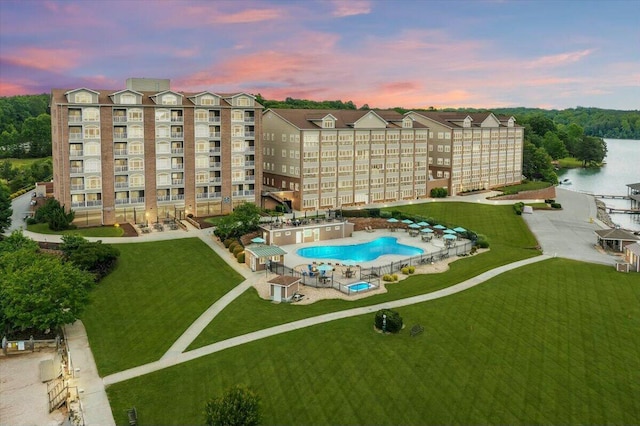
(356, 287)
(360, 252)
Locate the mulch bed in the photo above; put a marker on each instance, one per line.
(129, 230)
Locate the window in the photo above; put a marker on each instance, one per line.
(284, 153)
(91, 114)
(135, 132)
(83, 98)
(207, 100)
(163, 115)
(169, 99)
(242, 101)
(328, 123)
(91, 132)
(127, 99)
(284, 168)
(440, 148)
(134, 115)
(237, 115)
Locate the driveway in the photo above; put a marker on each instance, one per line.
(569, 232)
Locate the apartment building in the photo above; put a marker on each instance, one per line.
(473, 151)
(146, 152)
(327, 159)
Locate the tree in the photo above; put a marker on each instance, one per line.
(53, 214)
(591, 151)
(5, 208)
(94, 257)
(536, 164)
(388, 321)
(36, 133)
(40, 291)
(17, 241)
(238, 406)
(248, 214)
(554, 146)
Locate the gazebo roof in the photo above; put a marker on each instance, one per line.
(616, 234)
(284, 280)
(634, 186)
(260, 250)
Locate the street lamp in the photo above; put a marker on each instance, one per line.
(384, 323)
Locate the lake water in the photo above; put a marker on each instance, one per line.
(622, 167)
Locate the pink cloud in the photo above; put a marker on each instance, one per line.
(45, 59)
(560, 59)
(210, 13)
(351, 8)
(12, 89)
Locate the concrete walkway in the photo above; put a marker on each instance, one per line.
(166, 362)
(95, 404)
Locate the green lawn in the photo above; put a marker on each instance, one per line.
(98, 231)
(510, 240)
(23, 162)
(528, 186)
(552, 343)
(157, 290)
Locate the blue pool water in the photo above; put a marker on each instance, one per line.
(355, 287)
(360, 252)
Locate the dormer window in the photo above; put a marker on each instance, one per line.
(511, 122)
(243, 101)
(83, 98)
(407, 123)
(467, 122)
(128, 99)
(207, 100)
(328, 123)
(169, 100)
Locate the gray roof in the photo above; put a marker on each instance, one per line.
(634, 186)
(634, 248)
(261, 250)
(616, 234)
(345, 118)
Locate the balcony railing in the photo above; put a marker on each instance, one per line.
(249, 134)
(215, 150)
(122, 184)
(215, 180)
(119, 119)
(120, 152)
(177, 134)
(121, 168)
(177, 197)
(243, 193)
(177, 181)
(250, 148)
(136, 200)
(77, 187)
(75, 136)
(76, 153)
(249, 119)
(177, 150)
(177, 166)
(163, 198)
(77, 170)
(122, 201)
(120, 135)
(179, 119)
(93, 203)
(250, 178)
(249, 163)
(209, 195)
(214, 119)
(75, 119)
(214, 164)
(214, 135)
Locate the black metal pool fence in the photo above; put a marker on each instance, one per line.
(372, 274)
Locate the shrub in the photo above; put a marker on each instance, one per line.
(474, 249)
(518, 207)
(387, 277)
(374, 212)
(388, 321)
(405, 270)
(482, 241)
(549, 201)
(395, 277)
(412, 269)
(238, 406)
(439, 192)
(232, 246)
(556, 205)
(240, 257)
(237, 249)
(385, 214)
(228, 242)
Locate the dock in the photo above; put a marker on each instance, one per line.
(622, 210)
(612, 197)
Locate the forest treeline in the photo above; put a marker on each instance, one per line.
(25, 124)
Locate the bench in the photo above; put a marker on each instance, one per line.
(132, 413)
(416, 329)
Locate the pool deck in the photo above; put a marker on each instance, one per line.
(292, 259)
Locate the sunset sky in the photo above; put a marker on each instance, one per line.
(414, 54)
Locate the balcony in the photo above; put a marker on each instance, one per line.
(93, 203)
(136, 200)
(177, 181)
(215, 180)
(177, 197)
(119, 135)
(177, 134)
(75, 153)
(77, 204)
(250, 178)
(243, 193)
(178, 119)
(121, 168)
(75, 136)
(120, 152)
(215, 119)
(77, 187)
(214, 135)
(249, 134)
(177, 150)
(215, 150)
(250, 148)
(249, 163)
(122, 201)
(214, 164)
(249, 119)
(163, 198)
(76, 170)
(75, 119)
(122, 184)
(177, 166)
(119, 119)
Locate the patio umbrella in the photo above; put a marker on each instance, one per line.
(427, 230)
(460, 229)
(423, 223)
(439, 227)
(449, 237)
(392, 220)
(414, 226)
(258, 240)
(449, 231)
(407, 221)
(324, 268)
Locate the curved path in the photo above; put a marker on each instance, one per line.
(166, 362)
